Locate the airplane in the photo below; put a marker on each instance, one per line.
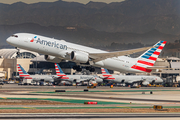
(130, 79)
(74, 78)
(37, 78)
(58, 50)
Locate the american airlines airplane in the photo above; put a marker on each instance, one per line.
(130, 79)
(75, 78)
(36, 78)
(58, 50)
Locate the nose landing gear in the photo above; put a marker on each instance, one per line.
(17, 51)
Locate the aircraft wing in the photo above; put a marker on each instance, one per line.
(102, 77)
(130, 82)
(136, 80)
(87, 79)
(80, 80)
(152, 68)
(159, 69)
(101, 56)
(56, 77)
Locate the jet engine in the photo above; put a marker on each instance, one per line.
(79, 57)
(54, 59)
(49, 57)
(145, 83)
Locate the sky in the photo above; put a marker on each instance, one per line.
(35, 1)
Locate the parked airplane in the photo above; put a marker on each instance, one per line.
(37, 78)
(57, 50)
(130, 79)
(75, 78)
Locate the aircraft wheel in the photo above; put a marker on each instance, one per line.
(88, 68)
(74, 67)
(18, 53)
(92, 70)
(79, 69)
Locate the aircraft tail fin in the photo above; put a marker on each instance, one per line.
(59, 72)
(148, 58)
(106, 74)
(22, 72)
(104, 71)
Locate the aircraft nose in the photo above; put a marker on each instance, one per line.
(8, 40)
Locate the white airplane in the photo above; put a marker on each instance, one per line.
(75, 78)
(37, 78)
(130, 79)
(57, 50)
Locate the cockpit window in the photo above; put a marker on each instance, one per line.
(14, 36)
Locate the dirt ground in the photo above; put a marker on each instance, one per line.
(32, 102)
(88, 110)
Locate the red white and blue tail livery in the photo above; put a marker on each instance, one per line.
(130, 79)
(22, 72)
(106, 74)
(60, 73)
(74, 78)
(148, 58)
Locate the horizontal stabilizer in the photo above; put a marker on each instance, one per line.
(153, 68)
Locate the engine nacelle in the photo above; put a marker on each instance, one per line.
(145, 83)
(79, 57)
(49, 57)
(54, 59)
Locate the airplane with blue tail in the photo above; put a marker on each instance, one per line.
(75, 78)
(24, 75)
(130, 79)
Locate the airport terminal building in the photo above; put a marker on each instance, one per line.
(9, 58)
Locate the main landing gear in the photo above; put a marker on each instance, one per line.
(79, 68)
(91, 69)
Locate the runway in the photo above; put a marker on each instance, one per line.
(103, 98)
(117, 100)
(88, 116)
